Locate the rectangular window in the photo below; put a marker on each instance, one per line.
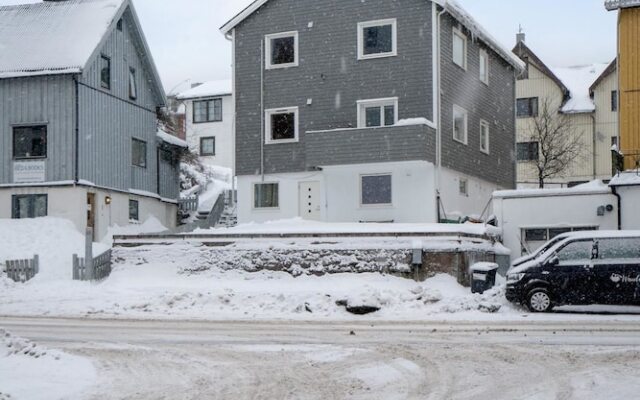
(281, 50)
(484, 66)
(375, 190)
(208, 146)
(134, 210)
(377, 39)
(139, 153)
(535, 235)
(133, 88)
(459, 48)
(614, 142)
(460, 124)
(527, 108)
(29, 142)
(266, 195)
(207, 111)
(484, 137)
(614, 101)
(528, 151)
(463, 187)
(105, 72)
(119, 25)
(281, 125)
(377, 112)
(29, 206)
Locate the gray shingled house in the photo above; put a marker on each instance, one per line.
(377, 110)
(79, 96)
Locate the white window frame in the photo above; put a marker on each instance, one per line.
(457, 32)
(385, 205)
(253, 196)
(485, 124)
(267, 53)
(267, 122)
(484, 79)
(387, 101)
(457, 108)
(394, 38)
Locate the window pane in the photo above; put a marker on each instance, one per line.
(372, 115)
(619, 248)
(29, 206)
(283, 126)
(484, 137)
(528, 151)
(199, 111)
(459, 126)
(614, 101)
(535, 235)
(215, 110)
(389, 115)
(208, 146)
(266, 195)
(377, 39)
(458, 50)
(484, 67)
(553, 232)
(576, 252)
(376, 189)
(283, 50)
(133, 210)
(139, 153)
(30, 142)
(133, 90)
(105, 72)
(40, 206)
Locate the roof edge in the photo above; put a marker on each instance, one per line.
(521, 49)
(608, 71)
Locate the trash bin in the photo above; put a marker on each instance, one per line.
(483, 276)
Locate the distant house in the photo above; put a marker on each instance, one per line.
(79, 138)
(588, 95)
(209, 121)
(375, 111)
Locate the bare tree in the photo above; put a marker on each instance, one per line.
(558, 144)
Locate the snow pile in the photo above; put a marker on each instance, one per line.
(593, 187)
(31, 371)
(54, 240)
(208, 181)
(208, 89)
(416, 121)
(579, 80)
(171, 139)
(151, 225)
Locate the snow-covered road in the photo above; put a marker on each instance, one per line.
(300, 360)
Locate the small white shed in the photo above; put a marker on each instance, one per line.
(627, 186)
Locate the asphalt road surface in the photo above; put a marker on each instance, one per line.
(293, 360)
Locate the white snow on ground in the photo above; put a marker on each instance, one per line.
(209, 180)
(151, 225)
(32, 372)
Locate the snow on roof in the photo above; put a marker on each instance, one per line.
(629, 178)
(169, 138)
(579, 80)
(612, 5)
(451, 6)
(208, 89)
(52, 37)
(594, 187)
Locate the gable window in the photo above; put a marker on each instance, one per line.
(375, 190)
(207, 111)
(105, 72)
(459, 48)
(28, 206)
(528, 107)
(377, 39)
(460, 124)
(377, 112)
(29, 142)
(133, 88)
(614, 100)
(208, 146)
(528, 151)
(484, 66)
(139, 153)
(484, 137)
(281, 125)
(119, 25)
(281, 50)
(463, 187)
(266, 195)
(134, 210)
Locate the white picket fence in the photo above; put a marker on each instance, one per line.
(22, 270)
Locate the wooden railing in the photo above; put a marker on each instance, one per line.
(100, 268)
(22, 270)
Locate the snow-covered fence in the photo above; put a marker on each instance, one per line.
(101, 267)
(22, 270)
(189, 204)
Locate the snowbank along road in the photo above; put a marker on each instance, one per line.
(283, 360)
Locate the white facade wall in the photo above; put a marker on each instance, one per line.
(474, 203)
(222, 131)
(630, 206)
(552, 211)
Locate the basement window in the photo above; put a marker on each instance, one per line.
(281, 50)
(134, 210)
(29, 206)
(266, 195)
(377, 39)
(375, 190)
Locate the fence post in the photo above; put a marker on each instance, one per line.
(36, 264)
(76, 275)
(88, 255)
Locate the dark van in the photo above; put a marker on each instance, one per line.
(583, 268)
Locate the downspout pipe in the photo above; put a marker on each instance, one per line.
(614, 190)
(76, 122)
(594, 139)
(437, 99)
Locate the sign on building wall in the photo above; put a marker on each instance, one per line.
(29, 171)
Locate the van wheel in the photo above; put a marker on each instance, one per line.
(539, 300)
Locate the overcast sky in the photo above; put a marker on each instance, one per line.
(187, 45)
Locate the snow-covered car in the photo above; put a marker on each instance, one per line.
(583, 268)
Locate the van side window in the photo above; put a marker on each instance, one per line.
(618, 248)
(576, 251)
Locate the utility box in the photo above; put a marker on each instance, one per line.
(483, 276)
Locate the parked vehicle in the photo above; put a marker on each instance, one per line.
(597, 267)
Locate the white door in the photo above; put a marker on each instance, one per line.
(309, 201)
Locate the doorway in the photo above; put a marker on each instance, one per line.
(309, 200)
(91, 213)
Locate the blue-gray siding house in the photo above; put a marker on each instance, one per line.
(369, 111)
(79, 99)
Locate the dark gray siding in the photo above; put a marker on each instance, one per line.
(168, 176)
(109, 119)
(49, 100)
(329, 72)
(494, 104)
(360, 146)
